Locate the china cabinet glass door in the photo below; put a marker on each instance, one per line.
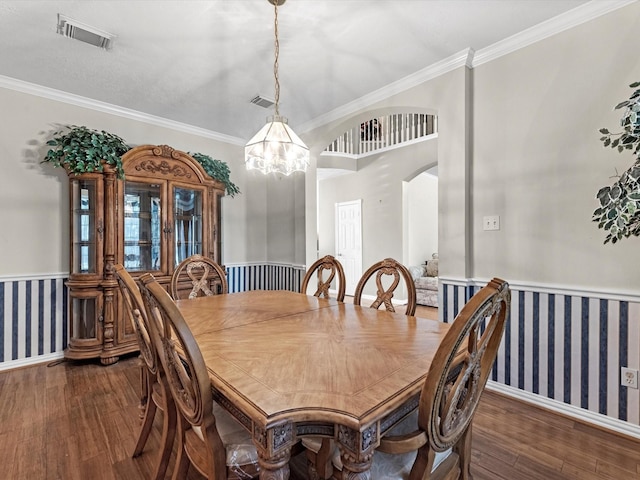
(86, 315)
(142, 226)
(187, 222)
(84, 241)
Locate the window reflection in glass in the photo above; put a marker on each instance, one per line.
(187, 212)
(141, 226)
(83, 232)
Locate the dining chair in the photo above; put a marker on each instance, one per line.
(154, 389)
(209, 438)
(385, 271)
(198, 276)
(434, 442)
(334, 267)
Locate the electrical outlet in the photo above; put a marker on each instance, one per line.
(491, 222)
(629, 377)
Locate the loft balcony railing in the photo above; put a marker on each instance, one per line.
(383, 132)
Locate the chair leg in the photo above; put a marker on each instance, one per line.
(319, 466)
(169, 420)
(144, 388)
(182, 460)
(149, 414)
(463, 449)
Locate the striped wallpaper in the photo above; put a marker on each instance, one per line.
(33, 319)
(264, 276)
(564, 345)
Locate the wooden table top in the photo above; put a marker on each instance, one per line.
(281, 356)
(219, 312)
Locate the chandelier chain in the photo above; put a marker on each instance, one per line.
(275, 62)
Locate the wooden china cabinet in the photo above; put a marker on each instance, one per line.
(164, 210)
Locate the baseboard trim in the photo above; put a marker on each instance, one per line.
(28, 362)
(580, 414)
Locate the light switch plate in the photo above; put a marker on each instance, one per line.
(491, 222)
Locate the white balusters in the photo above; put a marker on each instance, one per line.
(383, 132)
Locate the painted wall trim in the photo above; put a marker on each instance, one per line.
(33, 276)
(71, 99)
(28, 362)
(572, 411)
(278, 264)
(622, 295)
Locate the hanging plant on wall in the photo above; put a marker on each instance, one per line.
(217, 169)
(83, 150)
(619, 210)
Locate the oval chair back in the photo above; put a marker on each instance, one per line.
(154, 391)
(197, 276)
(330, 265)
(387, 270)
(452, 389)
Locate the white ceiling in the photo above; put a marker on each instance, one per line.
(200, 62)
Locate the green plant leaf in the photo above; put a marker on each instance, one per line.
(218, 170)
(80, 149)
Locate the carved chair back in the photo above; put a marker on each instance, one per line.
(456, 379)
(154, 391)
(134, 310)
(209, 438)
(330, 265)
(198, 276)
(385, 271)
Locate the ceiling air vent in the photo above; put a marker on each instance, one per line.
(262, 101)
(80, 31)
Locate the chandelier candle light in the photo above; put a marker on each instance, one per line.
(276, 148)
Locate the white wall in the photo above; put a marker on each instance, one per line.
(534, 158)
(446, 96)
(421, 218)
(538, 161)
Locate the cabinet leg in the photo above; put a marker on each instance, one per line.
(109, 360)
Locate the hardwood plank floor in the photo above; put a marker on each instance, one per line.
(79, 420)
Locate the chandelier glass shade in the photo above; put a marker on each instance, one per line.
(276, 148)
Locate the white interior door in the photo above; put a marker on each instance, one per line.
(349, 241)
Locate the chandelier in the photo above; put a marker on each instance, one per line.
(276, 148)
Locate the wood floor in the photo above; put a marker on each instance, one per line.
(79, 421)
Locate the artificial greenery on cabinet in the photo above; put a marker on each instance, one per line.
(619, 210)
(79, 150)
(83, 150)
(217, 169)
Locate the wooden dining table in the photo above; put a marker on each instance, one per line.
(289, 365)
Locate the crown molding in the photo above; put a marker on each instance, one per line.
(471, 58)
(467, 57)
(79, 101)
(565, 21)
(460, 59)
